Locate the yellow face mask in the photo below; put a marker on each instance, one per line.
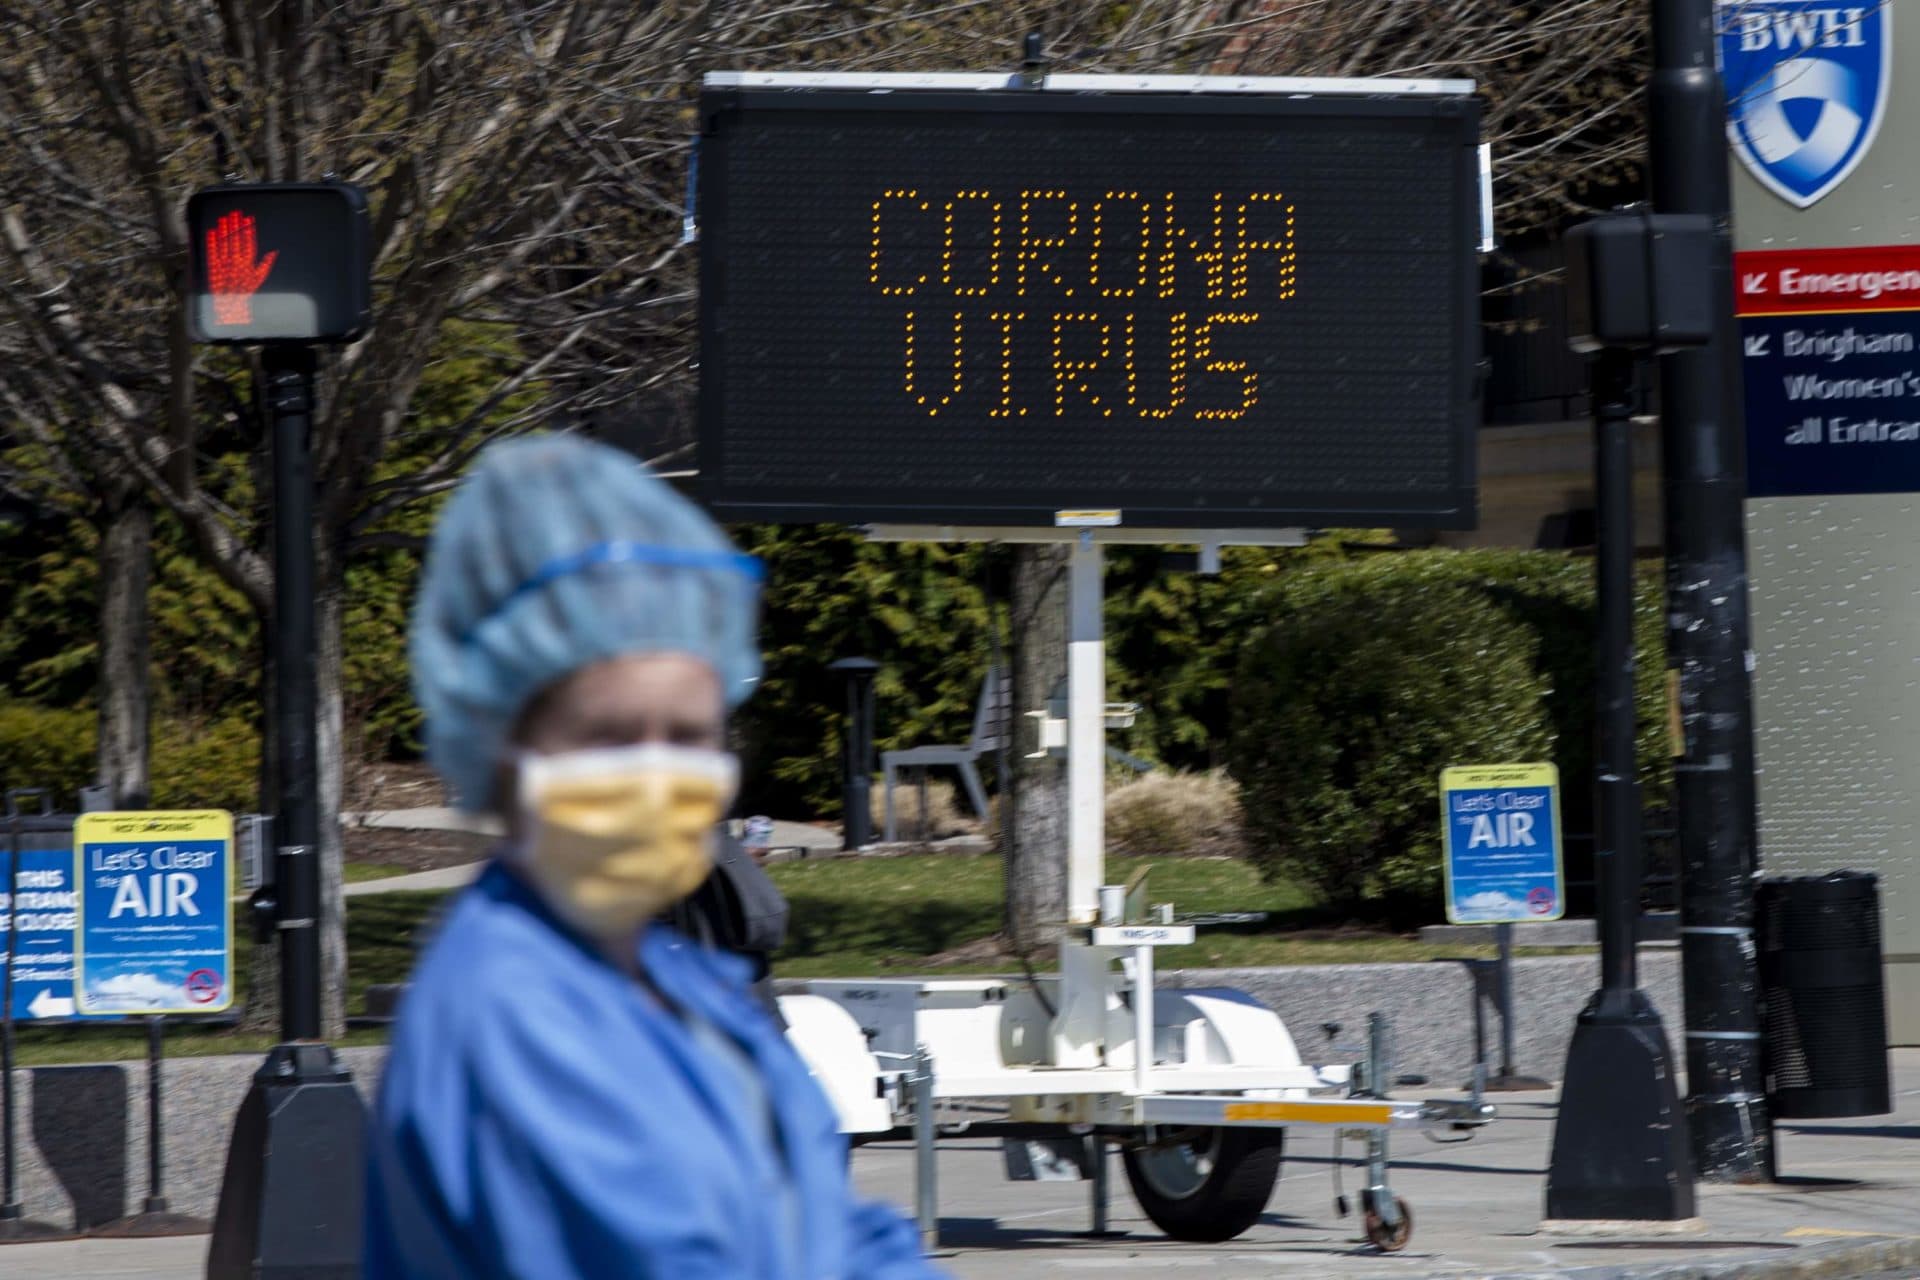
(615, 837)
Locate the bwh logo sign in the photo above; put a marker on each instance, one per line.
(1806, 89)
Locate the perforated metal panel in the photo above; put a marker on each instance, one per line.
(1836, 625)
(986, 307)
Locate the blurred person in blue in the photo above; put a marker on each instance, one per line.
(576, 1087)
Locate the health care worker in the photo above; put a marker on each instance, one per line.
(575, 1088)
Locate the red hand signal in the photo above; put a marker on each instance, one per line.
(232, 274)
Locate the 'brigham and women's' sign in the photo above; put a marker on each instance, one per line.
(1828, 344)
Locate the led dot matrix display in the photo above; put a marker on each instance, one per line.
(1201, 309)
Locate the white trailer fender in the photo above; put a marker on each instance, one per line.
(835, 1050)
(1220, 1026)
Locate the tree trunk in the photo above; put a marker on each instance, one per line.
(329, 678)
(1037, 864)
(126, 565)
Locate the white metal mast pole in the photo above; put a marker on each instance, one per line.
(1086, 732)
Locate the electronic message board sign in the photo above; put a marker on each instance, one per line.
(965, 305)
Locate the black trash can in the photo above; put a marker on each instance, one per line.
(1823, 996)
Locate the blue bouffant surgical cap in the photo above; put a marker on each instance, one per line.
(556, 553)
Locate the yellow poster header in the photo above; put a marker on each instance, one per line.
(1472, 777)
(124, 827)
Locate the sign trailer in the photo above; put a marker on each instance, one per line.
(1093, 310)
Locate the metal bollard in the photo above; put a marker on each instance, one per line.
(1379, 1196)
(926, 1177)
(857, 753)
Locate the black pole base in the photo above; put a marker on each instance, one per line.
(290, 1203)
(1732, 1139)
(152, 1223)
(1501, 1082)
(16, 1229)
(1620, 1148)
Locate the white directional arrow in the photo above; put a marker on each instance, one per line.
(48, 1005)
(1757, 344)
(1753, 282)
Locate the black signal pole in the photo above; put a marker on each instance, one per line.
(1619, 1142)
(1704, 467)
(289, 385)
(290, 1201)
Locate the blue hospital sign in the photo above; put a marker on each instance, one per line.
(155, 927)
(1502, 830)
(1806, 88)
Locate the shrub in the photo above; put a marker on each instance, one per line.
(1169, 812)
(1376, 673)
(45, 747)
(1349, 706)
(205, 765)
(193, 764)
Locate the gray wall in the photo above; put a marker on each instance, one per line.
(1836, 625)
(83, 1130)
(1432, 1006)
(1834, 585)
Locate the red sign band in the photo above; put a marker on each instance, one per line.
(1778, 282)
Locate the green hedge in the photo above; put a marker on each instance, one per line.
(1373, 674)
(194, 764)
(43, 747)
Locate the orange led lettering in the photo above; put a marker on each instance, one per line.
(1033, 242)
(1216, 260)
(948, 248)
(1006, 320)
(1065, 369)
(912, 198)
(1203, 355)
(1104, 235)
(1279, 241)
(920, 397)
(1176, 368)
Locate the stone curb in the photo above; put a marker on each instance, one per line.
(1806, 1262)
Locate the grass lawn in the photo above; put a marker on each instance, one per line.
(355, 872)
(381, 935)
(852, 917)
(864, 917)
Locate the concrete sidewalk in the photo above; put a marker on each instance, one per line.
(1848, 1205)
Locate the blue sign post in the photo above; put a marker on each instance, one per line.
(154, 932)
(1502, 828)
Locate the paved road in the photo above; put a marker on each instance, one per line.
(1476, 1208)
(1847, 1184)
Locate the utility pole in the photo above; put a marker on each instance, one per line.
(1704, 470)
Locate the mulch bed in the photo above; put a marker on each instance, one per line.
(415, 850)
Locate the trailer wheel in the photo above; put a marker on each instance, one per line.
(1210, 1185)
(1383, 1238)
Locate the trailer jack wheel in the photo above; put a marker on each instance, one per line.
(1208, 1186)
(1384, 1238)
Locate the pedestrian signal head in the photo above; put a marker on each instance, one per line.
(279, 262)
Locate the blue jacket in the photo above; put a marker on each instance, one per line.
(542, 1115)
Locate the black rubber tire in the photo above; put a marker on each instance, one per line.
(1231, 1196)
